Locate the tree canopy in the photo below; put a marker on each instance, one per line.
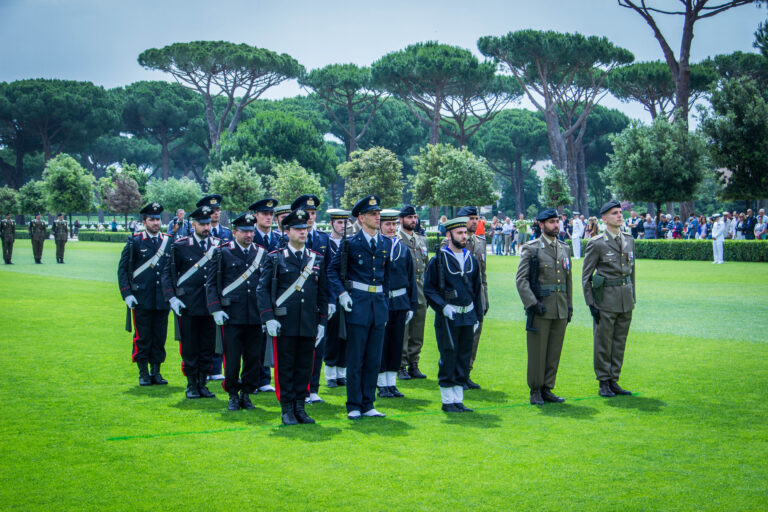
(174, 193)
(239, 183)
(373, 171)
(291, 180)
(68, 186)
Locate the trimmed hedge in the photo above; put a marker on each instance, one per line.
(103, 236)
(701, 250)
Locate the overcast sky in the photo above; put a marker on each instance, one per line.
(99, 40)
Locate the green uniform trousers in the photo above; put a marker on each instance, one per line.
(610, 337)
(7, 249)
(544, 349)
(37, 248)
(414, 336)
(60, 248)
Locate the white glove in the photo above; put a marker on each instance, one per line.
(331, 310)
(131, 301)
(475, 327)
(408, 317)
(177, 305)
(272, 327)
(320, 334)
(346, 302)
(220, 317)
(449, 311)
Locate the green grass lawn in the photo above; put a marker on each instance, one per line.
(79, 434)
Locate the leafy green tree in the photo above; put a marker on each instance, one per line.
(740, 64)
(349, 88)
(272, 137)
(737, 128)
(9, 200)
(32, 197)
(123, 196)
(291, 180)
(302, 107)
(512, 143)
(651, 84)
(238, 72)
(239, 183)
(373, 171)
(601, 124)
(395, 128)
(174, 193)
(555, 189)
(68, 186)
(563, 75)
(161, 112)
(657, 163)
(109, 150)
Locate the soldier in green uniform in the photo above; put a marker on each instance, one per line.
(414, 331)
(608, 278)
(38, 232)
(545, 286)
(60, 233)
(8, 235)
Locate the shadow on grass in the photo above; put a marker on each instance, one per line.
(567, 410)
(473, 419)
(403, 404)
(486, 395)
(641, 403)
(156, 391)
(310, 433)
(389, 427)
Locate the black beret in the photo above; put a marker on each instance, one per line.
(549, 213)
(609, 206)
(466, 211)
(365, 205)
(407, 210)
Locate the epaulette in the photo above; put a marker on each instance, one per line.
(137, 234)
(275, 251)
(182, 238)
(318, 253)
(531, 242)
(259, 246)
(212, 237)
(599, 235)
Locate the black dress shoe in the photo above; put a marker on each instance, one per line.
(536, 398)
(144, 378)
(341, 381)
(300, 413)
(192, 387)
(618, 389)
(384, 392)
(234, 402)
(403, 374)
(155, 374)
(472, 385)
(605, 389)
(413, 371)
(548, 396)
(395, 392)
(451, 408)
(463, 408)
(332, 383)
(245, 401)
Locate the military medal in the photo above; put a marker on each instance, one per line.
(567, 263)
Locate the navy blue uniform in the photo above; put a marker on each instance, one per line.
(271, 242)
(222, 233)
(463, 288)
(299, 317)
(150, 315)
(370, 311)
(320, 242)
(335, 353)
(196, 324)
(403, 297)
(242, 335)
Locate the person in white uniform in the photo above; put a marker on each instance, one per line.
(577, 234)
(718, 237)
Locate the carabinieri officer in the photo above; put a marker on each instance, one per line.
(403, 301)
(138, 273)
(231, 291)
(453, 287)
(293, 300)
(360, 280)
(184, 288)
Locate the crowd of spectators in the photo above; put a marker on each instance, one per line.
(738, 226)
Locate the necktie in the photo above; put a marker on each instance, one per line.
(245, 251)
(298, 255)
(309, 240)
(373, 245)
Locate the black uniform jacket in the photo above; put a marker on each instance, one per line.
(146, 287)
(185, 253)
(306, 308)
(467, 286)
(402, 276)
(229, 263)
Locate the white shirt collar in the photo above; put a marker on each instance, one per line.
(368, 237)
(263, 234)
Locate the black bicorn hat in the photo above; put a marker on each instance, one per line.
(365, 205)
(610, 205)
(306, 202)
(296, 219)
(212, 200)
(407, 210)
(245, 222)
(152, 210)
(549, 213)
(265, 205)
(202, 215)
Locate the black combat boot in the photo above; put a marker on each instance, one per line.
(384, 392)
(413, 371)
(38, 261)
(201, 388)
(245, 401)
(288, 416)
(154, 374)
(234, 402)
(536, 398)
(192, 391)
(144, 378)
(618, 389)
(605, 389)
(549, 396)
(395, 392)
(299, 412)
(403, 374)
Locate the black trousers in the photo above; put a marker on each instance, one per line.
(150, 327)
(453, 367)
(392, 351)
(265, 377)
(242, 342)
(335, 353)
(293, 365)
(364, 344)
(198, 340)
(317, 365)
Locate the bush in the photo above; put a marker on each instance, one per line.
(104, 236)
(433, 241)
(733, 250)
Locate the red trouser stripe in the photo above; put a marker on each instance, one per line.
(135, 336)
(181, 335)
(309, 384)
(223, 355)
(274, 356)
